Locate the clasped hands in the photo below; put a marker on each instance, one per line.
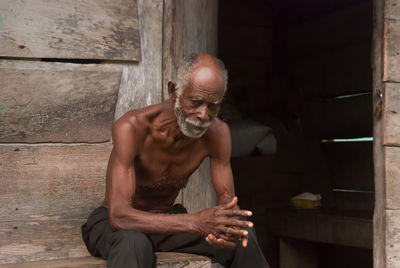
(222, 227)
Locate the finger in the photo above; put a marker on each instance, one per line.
(239, 213)
(225, 244)
(244, 242)
(239, 223)
(231, 204)
(228, 237)
(238, 233)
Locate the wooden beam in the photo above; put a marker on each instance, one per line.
(87, 29)
(379, 223)
(57, 102)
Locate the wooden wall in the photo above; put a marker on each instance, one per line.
(56, 113)
(66, 75)
(386, 133)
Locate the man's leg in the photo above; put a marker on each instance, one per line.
(125, 248)
(240, 257)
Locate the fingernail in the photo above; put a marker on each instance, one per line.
(251, 225)
(245, 233)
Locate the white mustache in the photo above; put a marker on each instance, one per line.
(201, 124)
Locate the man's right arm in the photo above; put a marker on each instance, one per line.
(121, 189)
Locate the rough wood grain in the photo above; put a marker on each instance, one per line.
(392, 9)
(87, 29)
(57, 102)
(164, 260)
(391, 51)
(23, 241)
(51, 182)
(391, 114)
(392, 174)
(141, 84)
(350, 165)
(79, 262)
(392, 234)
(190, 26)
(379, 254)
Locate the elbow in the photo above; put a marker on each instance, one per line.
(116, 219)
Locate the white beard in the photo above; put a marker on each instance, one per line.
(189, 128)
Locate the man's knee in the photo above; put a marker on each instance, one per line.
(131, 240)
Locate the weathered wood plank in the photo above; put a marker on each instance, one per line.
(55, 181)
(391, 51)
(141, 83)
(391, 114)
(392, 235)
(57, 102)
(87, 29)
(164, 260)
(392, 173)
(350, 165)
(379, 224)
(341, 118)
(40, 240)
(392, 9)
(79, 262)
(191, 27)
(182, 260)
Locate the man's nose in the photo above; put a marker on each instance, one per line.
(202, 113)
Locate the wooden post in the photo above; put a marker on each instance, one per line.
(386, 79)
(190, 26)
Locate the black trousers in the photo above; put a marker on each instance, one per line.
(132, 249)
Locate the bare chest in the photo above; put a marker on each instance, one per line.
(163, 169)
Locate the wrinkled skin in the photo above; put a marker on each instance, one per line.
(152, 160)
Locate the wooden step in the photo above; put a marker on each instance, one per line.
(164, 260)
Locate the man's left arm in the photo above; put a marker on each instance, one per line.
(222, 181)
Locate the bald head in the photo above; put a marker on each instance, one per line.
(201, 68)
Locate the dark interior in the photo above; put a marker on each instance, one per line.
(299, 105)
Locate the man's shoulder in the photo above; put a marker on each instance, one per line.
(218, 130)
(136, 120)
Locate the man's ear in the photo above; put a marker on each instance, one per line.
(172, 90)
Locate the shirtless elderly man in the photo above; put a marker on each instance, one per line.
(156, 149)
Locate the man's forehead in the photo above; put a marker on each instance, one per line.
(208, 77)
